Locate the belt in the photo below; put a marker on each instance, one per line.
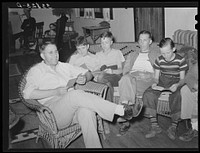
(170, 76)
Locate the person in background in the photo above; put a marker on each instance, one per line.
(60, 30)
(47, 82)
(28, 26)
(189, 102)
(169, 74)
(138, 72)
(52, 31)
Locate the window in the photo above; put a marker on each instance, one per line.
(98, 13)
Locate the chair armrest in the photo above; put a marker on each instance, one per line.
(45, 114)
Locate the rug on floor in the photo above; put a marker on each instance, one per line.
(26, 135)
(14, 70)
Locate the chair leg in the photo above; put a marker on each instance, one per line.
(101, 127)
(106, 126)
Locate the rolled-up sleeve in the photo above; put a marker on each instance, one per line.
(32, 81)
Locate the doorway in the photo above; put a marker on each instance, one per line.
(151, 19)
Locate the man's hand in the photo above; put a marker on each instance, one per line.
(81, 79)
(195, 87)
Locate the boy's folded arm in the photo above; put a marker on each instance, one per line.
(113, 67)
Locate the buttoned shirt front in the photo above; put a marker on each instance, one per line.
(43, 77)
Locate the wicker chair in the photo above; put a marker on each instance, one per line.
(48, 130)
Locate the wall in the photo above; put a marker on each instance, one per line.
(179, 18)
(40, 15)
(44, 15)
(122, 26)
(122, 32)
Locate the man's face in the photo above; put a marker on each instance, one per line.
(50, 55)
(144, 42)
(167, 52)
(106, 43)
(82, 49)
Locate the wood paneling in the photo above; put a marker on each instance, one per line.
(151, 19)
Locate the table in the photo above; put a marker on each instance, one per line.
(94, 31)
(69, 36)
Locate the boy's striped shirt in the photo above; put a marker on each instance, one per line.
(171, 67)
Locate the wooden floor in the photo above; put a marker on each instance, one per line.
(133, 139)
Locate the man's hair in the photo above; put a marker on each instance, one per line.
(45, 44)
(107, 34)
(145, 32)
(81, 40)
(165, 41)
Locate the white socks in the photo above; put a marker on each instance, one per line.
(194, 123)
(119, 110)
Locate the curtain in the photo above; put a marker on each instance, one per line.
(77, 12)
(89, 13)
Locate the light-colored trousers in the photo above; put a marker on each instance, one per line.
(189, 103)
(79, 106)
(130, 86)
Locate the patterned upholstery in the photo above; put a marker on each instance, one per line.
(125, 47)
(48, 130)
(182, 38)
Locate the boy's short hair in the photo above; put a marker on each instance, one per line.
(107, 34)
(165, 41)
(145, 32)
(81, 41)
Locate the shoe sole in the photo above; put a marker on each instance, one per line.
(140, 109)
(153, 135)
(186, 140)
(171, 136)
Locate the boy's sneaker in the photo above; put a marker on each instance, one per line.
(188, 136)
(171, 132)
(152, 133)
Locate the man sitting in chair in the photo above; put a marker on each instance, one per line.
(47, 82)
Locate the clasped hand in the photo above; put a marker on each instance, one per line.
(81, 79)
(106, 69)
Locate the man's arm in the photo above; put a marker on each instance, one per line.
(40, 94)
